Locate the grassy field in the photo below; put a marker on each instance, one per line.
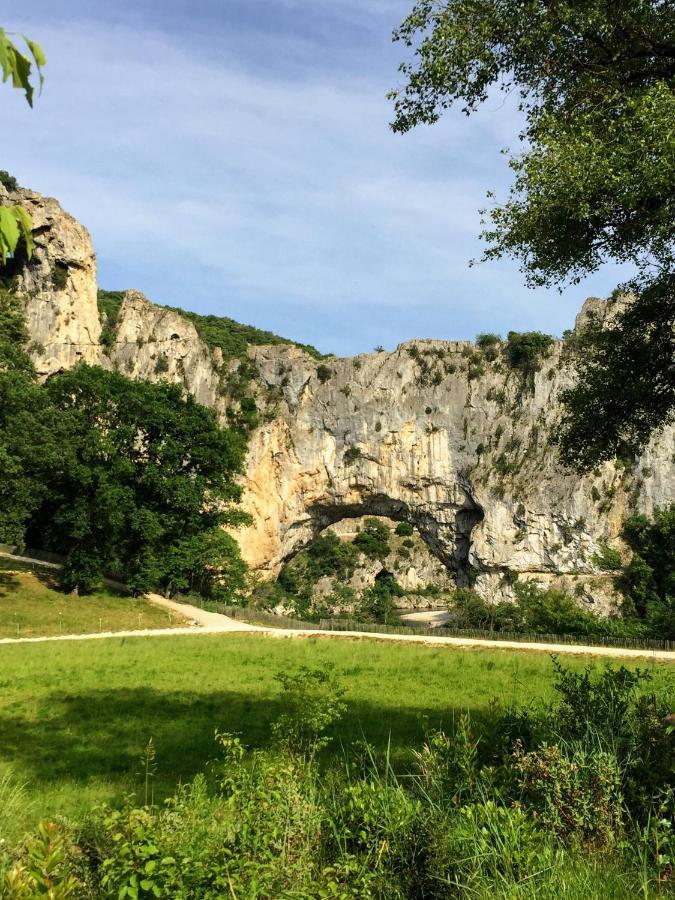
(30, 606)
(76, 716)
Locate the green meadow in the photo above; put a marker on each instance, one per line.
(75, 717)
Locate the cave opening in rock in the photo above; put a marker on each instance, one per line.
(384, 576)
(445, 529)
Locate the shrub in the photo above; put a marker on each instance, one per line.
(404, 529)
(8, 181)
(331, 556)
(574, 792)
(314, 703)
(485, 340)
(376, 604)
(526, 349)
(650, 576)
(373, 539)
(351, 455)
(608, 558)
(161, 364)
(323, 373)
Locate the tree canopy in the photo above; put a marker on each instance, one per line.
(595, 82)
(115, 475)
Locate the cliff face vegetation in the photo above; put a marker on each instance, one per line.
(450, 436)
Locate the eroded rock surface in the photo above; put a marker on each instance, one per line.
(432, 433)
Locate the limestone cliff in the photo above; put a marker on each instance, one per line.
(59, 284)
(435, 432)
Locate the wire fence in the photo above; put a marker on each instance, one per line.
(262, 617)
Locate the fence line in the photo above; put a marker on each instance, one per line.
(255, 616)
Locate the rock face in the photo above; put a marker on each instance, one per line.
(435, 433)
(154, 342)
(459, 449)
(59, 284)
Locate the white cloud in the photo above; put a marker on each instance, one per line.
(216, 180)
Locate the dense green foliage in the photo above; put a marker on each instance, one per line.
(20, 68)
(141, 483)
(626, 379)
(404, 529)
(596, 83)
(115, 475)
(373, 539)
(30, 428)
(573, 801)
(650, 575)
(326, 555)
(232, 337)
(8, 181)
(526, 349)
(109, 304)
(536, 610)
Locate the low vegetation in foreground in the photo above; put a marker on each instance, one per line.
(572, 798)
(31, 605)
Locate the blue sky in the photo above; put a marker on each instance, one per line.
(234, 157)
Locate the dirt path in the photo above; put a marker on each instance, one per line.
(204, 622)
(214, 623)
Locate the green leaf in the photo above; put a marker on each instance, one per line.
(9, 228)
(25, 224)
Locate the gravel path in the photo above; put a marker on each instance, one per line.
(205, 622)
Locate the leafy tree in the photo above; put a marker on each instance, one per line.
(525, 350)
(373, 539)
(404, 529)
(377, 603)
(31, 432)
(650, 575)
(146, 477)
(596, 85)
(626, 379)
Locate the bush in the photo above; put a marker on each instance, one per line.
(351, 455)
(404, 529)
(485, 340)
(650, 576)
(376, 604)
(526, 349)
(313, 700)
(323, 373)
(573, 792)
(8, 181)
(161, 364)
(373, 539)
(607, 559)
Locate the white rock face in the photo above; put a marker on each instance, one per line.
(153, 342)
(59, 284)
(430, 434)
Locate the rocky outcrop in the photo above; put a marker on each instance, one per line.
(456, 444)
(153, 342)
(437, 433)
(59, 284)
